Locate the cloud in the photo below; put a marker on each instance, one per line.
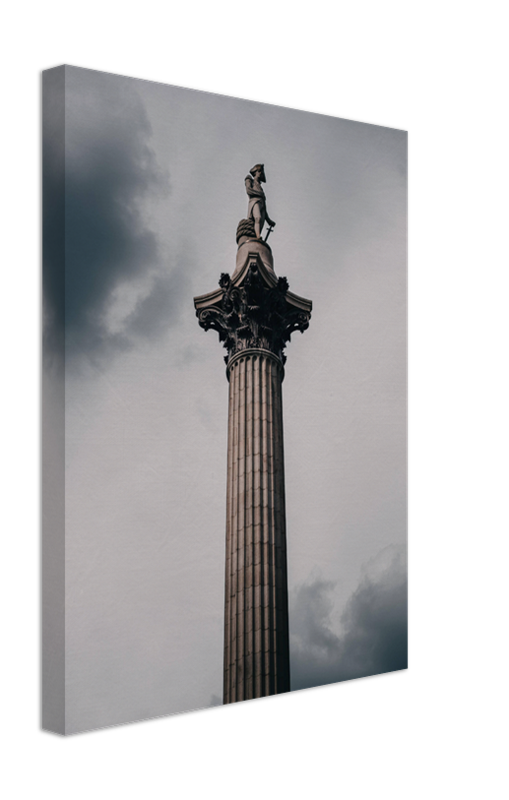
(373, 636)
(111, 251)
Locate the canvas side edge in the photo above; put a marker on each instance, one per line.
(53, 402)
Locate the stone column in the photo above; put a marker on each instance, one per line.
(256, 649)
(255, 314)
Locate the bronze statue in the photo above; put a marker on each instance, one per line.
(257, 208)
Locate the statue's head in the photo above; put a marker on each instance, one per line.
(259, 168)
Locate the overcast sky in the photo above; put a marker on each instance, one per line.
(154, 192)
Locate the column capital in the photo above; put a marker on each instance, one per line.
(253, 310)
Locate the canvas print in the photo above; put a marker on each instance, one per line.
(224, 400)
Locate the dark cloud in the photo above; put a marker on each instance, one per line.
(374, 626)
(161, 306)
(110, 173)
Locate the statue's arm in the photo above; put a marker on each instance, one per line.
(270, 222)
(249, 188)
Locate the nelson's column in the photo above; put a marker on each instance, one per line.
(255, 315)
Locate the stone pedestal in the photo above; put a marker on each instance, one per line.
(253, 247)
(255, 315)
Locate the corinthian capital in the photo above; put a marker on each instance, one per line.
(254, 309)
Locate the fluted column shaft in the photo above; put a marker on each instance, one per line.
(256, 649)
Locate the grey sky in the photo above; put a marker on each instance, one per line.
(155, 189)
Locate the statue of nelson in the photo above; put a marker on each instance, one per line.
(257, 208)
